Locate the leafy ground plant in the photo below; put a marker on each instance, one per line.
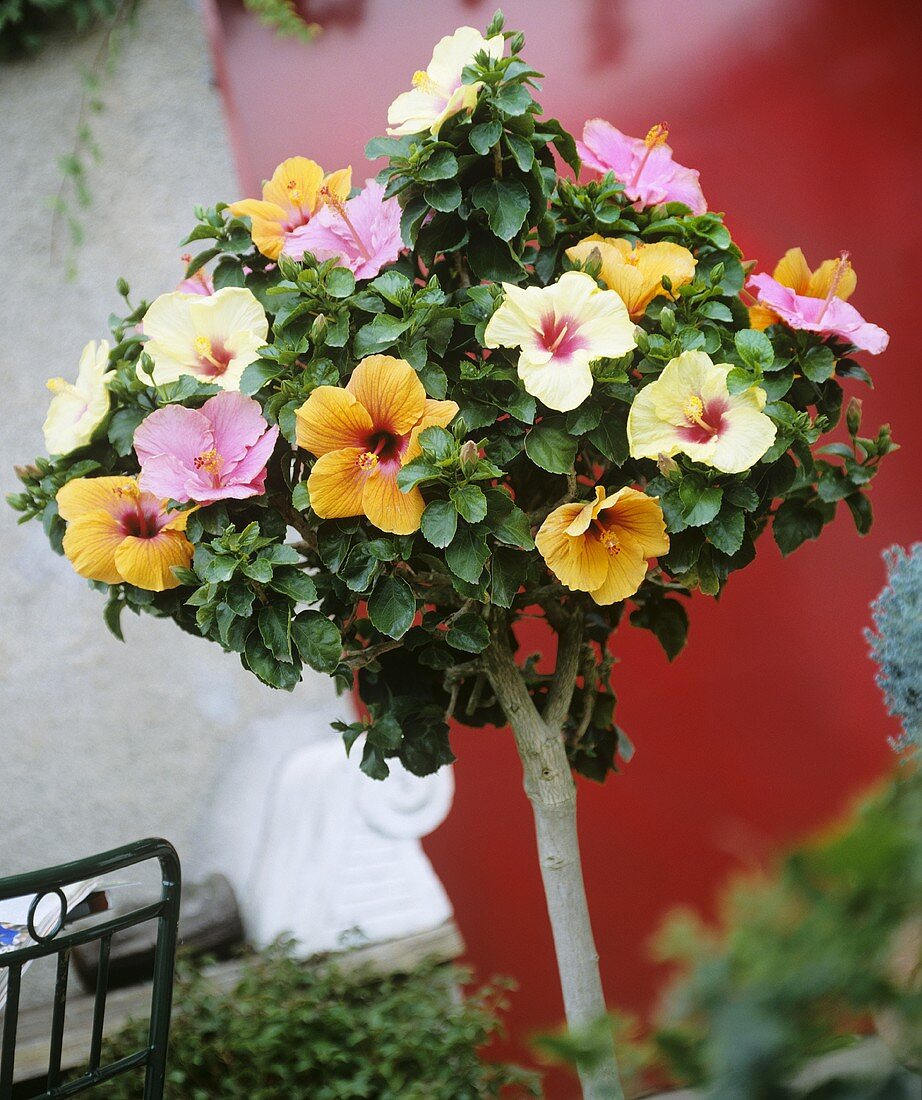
(375, 429)
(320, 1034)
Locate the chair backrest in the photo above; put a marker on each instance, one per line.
(59, 941)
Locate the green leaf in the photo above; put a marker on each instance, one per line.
(295, 584)
(505, 203)
(513, 100)
(385, 733)
(726, 530)
(257, 374)
(437, 443)
(795, 523)
(317, 640)
(755, 349)
(339, 283)
(742, 496)
(553, 449)
(259, 570)
(441, 165)
(470, 502)
(121, 429)
(508, 569)
(668, 620)
(522, 151)
(468, 632)
(380, 333)
(392, 286)
(467, 554)
(610, 437)
(484, 136)
(275, 628)
(417, 472)
(445, 195)
(220, 568)
(515, 530)
(439, 523)
(860, 507)
(373, 762)
(392, 607)
(819, 364)
(700, 504)
(300, 497)
(260, 661)
(492, 259)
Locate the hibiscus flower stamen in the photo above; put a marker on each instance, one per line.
(210, 461)
(560, 336)
(425, 83)
(656, 136)
(339, 207)
(295, 194)
(842, 266)
(608, 538)
(694, 413)
(204, 350)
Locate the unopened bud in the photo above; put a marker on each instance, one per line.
(470, 453)
(667, 466)
(853, 416)
(319, 329)
(123, 288)
(24, 473)
(516, 42)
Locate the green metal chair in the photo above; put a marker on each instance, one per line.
(59, 941)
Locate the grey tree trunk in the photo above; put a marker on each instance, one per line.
(550, 788)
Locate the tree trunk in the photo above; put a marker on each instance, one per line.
(552, 792)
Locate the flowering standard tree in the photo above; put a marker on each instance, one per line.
(383, 426)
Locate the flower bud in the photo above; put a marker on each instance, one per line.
(470, 453)
(319, 329)
(123, 288)
(853, 416)
(667, 466)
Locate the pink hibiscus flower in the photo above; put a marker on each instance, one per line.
(363, 232)
(644, 165)
(829, 316)
(206, 454)
(198, 283)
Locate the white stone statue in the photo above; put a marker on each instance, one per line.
(317, 850)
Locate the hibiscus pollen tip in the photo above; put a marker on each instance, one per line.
(210, 461)
(657, 135)
(367, 461)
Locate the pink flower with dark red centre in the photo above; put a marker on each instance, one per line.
(362, 233)
(828, 316)
(644, 165)
(219, 451)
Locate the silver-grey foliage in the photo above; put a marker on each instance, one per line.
(896, 645)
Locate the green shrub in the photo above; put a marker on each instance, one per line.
(320, 1034)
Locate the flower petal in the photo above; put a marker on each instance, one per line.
(561, 384)
(147, 563)
(435, 414)
(237, 422)
(624, 575)
(387, 507)
(173, 430)
(84, 495)
(640, 516)
(90, 543)
(793, 271)
(745, 435)
(295, 184)
(336, 484)
(330, 419)
(822, 279)
(390, 391)
(578, 561)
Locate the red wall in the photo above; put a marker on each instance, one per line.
(804, 122)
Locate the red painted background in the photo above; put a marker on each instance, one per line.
(804, 122)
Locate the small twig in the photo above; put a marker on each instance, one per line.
(369, 654)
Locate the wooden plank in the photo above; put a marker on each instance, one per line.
(442, 944)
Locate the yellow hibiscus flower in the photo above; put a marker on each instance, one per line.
(602, 547)
(290, 199)
(362, 436)
(635, 272)
(116, 532)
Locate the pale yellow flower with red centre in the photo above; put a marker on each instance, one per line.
(835, 278)
(363, 435)
(118, 533)
(212, 337)
(689, 409)
(290, 199)
(438, 92)
(561, 329)
(602, 547)
(635, 272)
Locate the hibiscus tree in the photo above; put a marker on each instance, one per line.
(478, 392)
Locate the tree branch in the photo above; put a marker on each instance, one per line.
(569, 649)
(541, 514)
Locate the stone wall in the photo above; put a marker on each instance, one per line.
(103, 742)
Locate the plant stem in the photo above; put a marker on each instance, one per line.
(552, 793)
